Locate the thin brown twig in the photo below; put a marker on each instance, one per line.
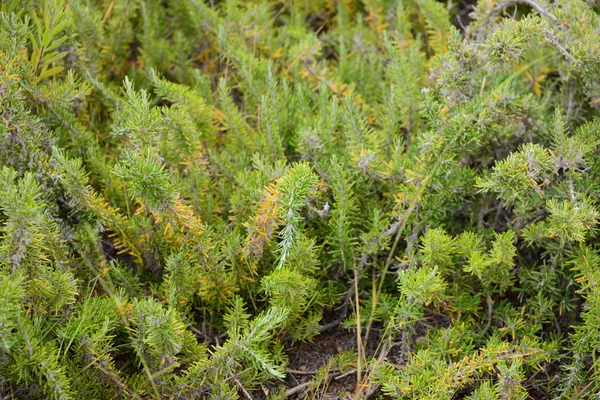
(297, 389)
(241, 387)
(538, 8)
(345, 374)
(306, 372)
(359, 343)
(382, 355)
(332, 324)
(554, 42)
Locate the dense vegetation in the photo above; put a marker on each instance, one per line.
(275, 198)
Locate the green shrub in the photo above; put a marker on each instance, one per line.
(191, 190)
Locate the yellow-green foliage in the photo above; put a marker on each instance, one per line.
(189, 188)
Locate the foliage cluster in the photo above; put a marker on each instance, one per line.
(190, 188)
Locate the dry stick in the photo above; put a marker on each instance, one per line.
(359, 343)
(297, 389)
(530, 3)
(538, 8)
(333, 324)
(553, 41)
(302, 386)
(345, 374)
(241, 387)
(206, 337)
(307, 372)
